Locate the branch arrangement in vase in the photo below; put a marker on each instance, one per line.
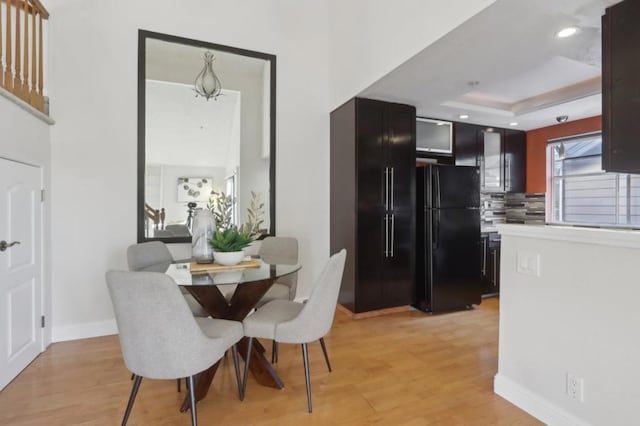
(221, 206)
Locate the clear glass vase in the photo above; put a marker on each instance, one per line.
(202, 231)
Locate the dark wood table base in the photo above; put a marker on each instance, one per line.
(244, 299)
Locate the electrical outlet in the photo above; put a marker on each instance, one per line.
(575, 387)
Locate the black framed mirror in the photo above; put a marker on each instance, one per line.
(196, 144)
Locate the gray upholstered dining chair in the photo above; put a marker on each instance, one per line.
(145, 256)
(284, 251)
(160, 338)
(286, 321)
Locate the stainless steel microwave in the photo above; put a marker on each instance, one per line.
(434, 136)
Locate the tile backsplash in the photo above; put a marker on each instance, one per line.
(499, 207)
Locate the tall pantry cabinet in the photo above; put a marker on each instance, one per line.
(373, 201)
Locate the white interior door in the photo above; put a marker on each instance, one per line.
(20, 267)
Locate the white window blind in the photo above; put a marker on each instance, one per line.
(582, 193)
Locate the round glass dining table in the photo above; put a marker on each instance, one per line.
(230, 294)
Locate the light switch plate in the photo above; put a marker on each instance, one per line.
(528, 263)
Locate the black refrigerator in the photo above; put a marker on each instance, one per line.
(448, 259)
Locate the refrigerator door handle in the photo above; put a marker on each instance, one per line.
(393, 230)
(434, 230)
(386, 235)
(393, 190)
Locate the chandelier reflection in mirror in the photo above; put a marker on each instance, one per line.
(207, 82)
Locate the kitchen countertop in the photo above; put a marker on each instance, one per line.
(488, 230)
(597, 236)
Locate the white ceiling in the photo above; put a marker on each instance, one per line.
(175, 138)
(524, 73)
(181, 63)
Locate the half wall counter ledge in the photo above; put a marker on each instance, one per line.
(568, 315)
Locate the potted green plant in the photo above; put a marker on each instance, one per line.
(229, 244)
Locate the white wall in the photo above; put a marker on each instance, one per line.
(93, 71)
(93, 78)
(254, 167)
(182, 129)
(580, 316)
(176, 211)
(369, 38)
(26, 138)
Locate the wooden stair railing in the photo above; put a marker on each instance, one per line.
(22, 50)
(157, 216)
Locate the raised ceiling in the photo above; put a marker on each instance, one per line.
(506, 65)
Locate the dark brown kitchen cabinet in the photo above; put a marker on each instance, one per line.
(490, 267)
(372, 193)
(499, 153)
(621, 88)
(491, 160)
(515, 160)
(465, 140)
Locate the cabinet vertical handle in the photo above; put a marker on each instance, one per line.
(393, 188)
(484, 257)
(386, 235)
(495, 267)
(437, 190)
(393, 232)
(386, 189)
(507, 177)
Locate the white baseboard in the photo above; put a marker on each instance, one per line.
(83, 331)
(534, 404)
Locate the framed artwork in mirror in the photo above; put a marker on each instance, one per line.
(206, 126)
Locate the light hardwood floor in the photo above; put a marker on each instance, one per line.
(403, 369)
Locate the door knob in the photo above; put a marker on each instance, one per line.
(4, 245)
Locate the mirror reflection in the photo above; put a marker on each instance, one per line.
(207, 134)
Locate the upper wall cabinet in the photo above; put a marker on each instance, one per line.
(621, 88)
(515, 160)
(499, 153)
(491, 160)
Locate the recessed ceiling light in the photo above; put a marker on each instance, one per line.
(464, 116)
(566, 32)
(513, 123)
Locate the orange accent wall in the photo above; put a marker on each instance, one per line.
(537, 146)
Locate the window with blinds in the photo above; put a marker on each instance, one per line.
(582, 193)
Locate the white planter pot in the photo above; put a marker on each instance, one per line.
(228, 258)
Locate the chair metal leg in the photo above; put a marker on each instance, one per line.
(246, 369)
(324, 351)
(236, 366)
(307, 379)
(134, 391)
(178, 383)
(192, 399)
(133, 376)
(274, 352)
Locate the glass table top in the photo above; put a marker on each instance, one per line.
(181, 273)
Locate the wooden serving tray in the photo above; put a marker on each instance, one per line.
(216, 267)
